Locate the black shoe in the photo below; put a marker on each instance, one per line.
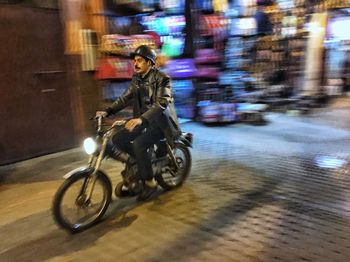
(149, 188)
(122, 191)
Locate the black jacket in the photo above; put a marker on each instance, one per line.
(155, 106)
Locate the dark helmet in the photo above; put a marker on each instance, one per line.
(146, 52)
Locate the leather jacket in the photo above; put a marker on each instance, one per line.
(154, 105)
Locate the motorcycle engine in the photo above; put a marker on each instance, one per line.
(131, 179)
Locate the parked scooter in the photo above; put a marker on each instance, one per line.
(83, 198)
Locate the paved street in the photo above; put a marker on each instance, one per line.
(278, 192)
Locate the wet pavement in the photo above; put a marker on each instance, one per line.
(278, 192)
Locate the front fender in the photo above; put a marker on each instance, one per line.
(78, 170)
(186, 139)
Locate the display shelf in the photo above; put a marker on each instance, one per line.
(115, 66)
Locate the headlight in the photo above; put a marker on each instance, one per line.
(89, 146)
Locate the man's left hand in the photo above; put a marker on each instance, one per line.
(131, 124)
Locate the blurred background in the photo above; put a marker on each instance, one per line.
(230, 61)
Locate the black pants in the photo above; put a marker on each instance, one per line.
(136, 143)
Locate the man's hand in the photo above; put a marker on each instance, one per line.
(131, 124)
(101, 114)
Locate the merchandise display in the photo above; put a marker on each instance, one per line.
(243, 26)
(158, 24)
(338, 27)
(126, 33)
(123, 45)
(245, 52)
(184, 98)
(182, 71)
(170, 29)
(180, 68)
(114, 68)
(212, 103)
(337, 44)
(210, 95)
(173, 6)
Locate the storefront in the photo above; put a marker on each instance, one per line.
(337, 44)
(36, 98)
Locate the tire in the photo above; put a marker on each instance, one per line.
(58, 205)
(168, 181)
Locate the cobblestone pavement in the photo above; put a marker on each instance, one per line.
(279, 192)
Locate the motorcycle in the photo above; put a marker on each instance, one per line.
(83, 198)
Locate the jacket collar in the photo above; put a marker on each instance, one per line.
(147, 76)
(148, 79)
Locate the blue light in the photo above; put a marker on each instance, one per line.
(329, 162)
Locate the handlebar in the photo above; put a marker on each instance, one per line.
(117, 123)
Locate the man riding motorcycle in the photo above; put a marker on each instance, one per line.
(154, 115)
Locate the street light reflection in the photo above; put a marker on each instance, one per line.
(329, 162)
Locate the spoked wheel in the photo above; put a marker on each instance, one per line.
(175, 177)
(73, 209)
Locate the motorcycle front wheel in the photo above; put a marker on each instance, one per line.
(174, 178)
(73, 210)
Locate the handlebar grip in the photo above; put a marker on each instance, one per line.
(119, 123)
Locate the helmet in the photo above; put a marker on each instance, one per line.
(146, 52)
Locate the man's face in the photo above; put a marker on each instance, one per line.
(141, 65)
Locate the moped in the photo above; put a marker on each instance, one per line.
(83, 198)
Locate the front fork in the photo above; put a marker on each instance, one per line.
(172, 156)
(94, 164)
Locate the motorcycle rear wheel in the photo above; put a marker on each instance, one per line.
(172, 179)
(71, 208)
